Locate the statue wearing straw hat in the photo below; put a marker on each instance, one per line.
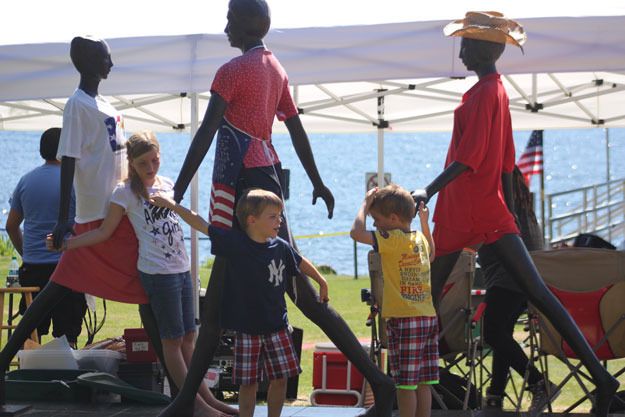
(475, 204)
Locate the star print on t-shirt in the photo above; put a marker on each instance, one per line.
(111, 129)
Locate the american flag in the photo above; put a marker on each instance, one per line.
(232, 144)
(531, 161)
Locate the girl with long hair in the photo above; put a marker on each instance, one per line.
(163, 263)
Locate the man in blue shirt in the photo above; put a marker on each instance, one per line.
(35, 202)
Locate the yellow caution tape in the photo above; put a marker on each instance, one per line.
(314, 236)
(321, 234)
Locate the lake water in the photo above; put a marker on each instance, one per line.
(573, 158)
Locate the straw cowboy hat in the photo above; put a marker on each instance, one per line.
(487, 26)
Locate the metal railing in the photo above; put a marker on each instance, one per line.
(598, 209)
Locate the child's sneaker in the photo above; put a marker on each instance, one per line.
(541, 395)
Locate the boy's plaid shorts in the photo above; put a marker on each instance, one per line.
(413, 349)
(255, 355)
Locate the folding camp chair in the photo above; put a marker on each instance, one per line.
(460, 341)
(375, 320)
(590, 283)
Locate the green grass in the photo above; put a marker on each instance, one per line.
(6, 246)
(345, 298)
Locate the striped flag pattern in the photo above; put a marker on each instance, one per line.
(531, 160)
(222, 205)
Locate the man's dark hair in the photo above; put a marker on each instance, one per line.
(49, 143)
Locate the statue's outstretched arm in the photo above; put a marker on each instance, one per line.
(448, 175)
(305, 155)
(201, 144)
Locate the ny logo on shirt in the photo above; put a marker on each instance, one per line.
(275, 272)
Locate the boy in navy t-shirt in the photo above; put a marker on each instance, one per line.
(253, 303)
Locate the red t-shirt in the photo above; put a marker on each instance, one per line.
(482, 140)
(256, 88)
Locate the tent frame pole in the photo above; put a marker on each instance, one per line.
(195, 261)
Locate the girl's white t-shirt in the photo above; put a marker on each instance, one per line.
(93, 134)
(161, 240)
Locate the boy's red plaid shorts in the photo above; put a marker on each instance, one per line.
(255, 355)
(413, 349)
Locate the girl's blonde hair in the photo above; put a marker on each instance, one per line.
(138, 144)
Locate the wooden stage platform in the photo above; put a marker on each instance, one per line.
(40, 409)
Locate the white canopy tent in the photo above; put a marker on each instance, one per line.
(399, 76)
(567, 78)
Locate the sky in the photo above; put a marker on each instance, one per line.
(61, 20)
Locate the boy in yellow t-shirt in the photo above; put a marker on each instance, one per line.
(407, 302)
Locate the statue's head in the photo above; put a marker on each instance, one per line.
(248, 21)
(91, 56)
(476, 53)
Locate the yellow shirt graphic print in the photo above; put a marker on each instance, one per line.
(406, 270)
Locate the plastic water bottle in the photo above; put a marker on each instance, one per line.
(12, 276)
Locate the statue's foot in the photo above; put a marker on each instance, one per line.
(603, 396)
(6, 409)
(369, 412)
(384, 398)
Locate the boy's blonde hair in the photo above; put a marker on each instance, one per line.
(393, 199)
(253, 202)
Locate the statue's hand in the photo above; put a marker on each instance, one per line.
(420, 195)
(325, 194)
(178, 196)
(59, 232)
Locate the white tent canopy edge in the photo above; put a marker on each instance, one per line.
(146, 17)
(567, 78)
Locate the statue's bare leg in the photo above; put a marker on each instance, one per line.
(41, 307)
